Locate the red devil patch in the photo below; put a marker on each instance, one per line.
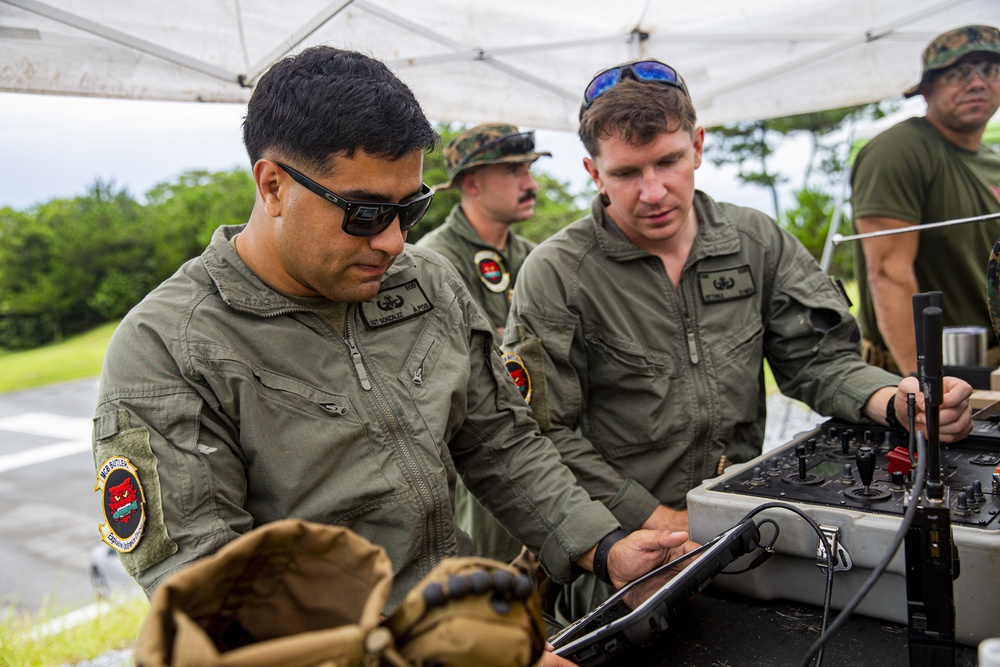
(519, 373)
(123, 502)
(492, 270)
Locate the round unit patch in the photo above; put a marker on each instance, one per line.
(519, 373)
(123, 502)
(492, 270)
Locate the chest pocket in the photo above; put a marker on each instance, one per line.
(617, 368)
(309, 450)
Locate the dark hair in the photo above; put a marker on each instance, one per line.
(636, 111)
(326, 101)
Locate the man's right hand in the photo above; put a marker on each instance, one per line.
(664, 518)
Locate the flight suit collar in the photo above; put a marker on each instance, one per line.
(716, 232)
(241, 289)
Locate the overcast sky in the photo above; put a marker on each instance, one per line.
(54, 146)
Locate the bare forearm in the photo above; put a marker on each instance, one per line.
(893, 302)
(892, 283)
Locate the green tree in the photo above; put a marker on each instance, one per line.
(69, 264)
(185, 212)
(57, 258)
(748, 145)
(809, 220)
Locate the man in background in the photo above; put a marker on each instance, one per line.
(490, 165)
(927, 170)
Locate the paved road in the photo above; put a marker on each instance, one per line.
(49, 513)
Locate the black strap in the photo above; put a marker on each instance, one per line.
(890, 415)
(601, 554)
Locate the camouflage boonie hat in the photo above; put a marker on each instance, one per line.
(495, 143)
(952, 45)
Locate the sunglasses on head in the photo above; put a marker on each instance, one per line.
(646, 70)
(509, 144)
(363, 218)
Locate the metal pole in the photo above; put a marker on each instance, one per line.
(838, 238)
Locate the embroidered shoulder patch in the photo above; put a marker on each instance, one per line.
(726, 284)
(519, 373)
(123, 502)
(395, 304)
(492, 270)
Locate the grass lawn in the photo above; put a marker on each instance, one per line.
(56, 637)
(73, 359)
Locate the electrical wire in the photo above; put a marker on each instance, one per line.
(768, 549)
(830, 556)
(897, 539)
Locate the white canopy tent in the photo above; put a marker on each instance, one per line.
(522, 61)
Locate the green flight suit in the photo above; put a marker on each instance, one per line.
(236, 405)
(643, 388)
(489, 273)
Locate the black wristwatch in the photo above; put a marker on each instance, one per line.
(601, 554)
(890, 415)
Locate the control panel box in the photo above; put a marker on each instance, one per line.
(817, 472)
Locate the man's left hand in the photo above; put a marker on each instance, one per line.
(955, 420)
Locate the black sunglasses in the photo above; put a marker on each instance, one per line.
(646, 70)
(362, 218)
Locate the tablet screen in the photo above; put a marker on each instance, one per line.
(656, 587)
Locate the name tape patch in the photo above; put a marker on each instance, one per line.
(395, 304)
(726, 284)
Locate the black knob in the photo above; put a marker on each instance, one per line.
(811, 445)
(977, 491)
(772, 466)
(962, 503)
(898, 479)
(865, 459)
(845, 440)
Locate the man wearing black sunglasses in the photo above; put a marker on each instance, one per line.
(926, 170)
(644, 326)
(491, 167)
(309, 364)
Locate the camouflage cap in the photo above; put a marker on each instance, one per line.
(496, 143)
(948, 47)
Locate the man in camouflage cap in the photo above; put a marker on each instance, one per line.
(490, 165)
(926, 170)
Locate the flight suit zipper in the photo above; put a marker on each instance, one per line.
(395, 431)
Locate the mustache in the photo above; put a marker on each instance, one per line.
(531, 195)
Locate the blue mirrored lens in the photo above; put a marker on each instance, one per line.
(653, 71)
(601, 83)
